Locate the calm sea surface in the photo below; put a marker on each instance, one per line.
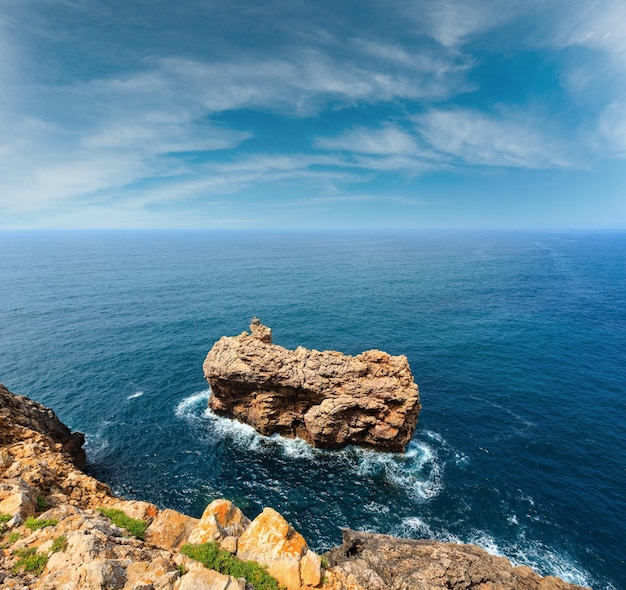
(517, 342)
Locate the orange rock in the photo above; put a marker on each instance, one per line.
(220, 519)
(170, 529)
(311, 569)
(271, 541)
(18, 498)
(204, 579)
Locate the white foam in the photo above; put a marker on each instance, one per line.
(96, 446)
(536, 555)
(512, 520)
(417, 471)
(135, 395)
(415, 527)
(186, 409)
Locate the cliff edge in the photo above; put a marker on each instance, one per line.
(327, 398)
(60, 529)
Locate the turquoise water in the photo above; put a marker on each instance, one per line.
(517, 342)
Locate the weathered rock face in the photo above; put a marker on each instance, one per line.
(380, 562)
(29, 414)
(327, 398)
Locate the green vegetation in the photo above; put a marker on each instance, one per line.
(41, 504)
(4, 518)
(39, 523)
(10, 539)
(119, 518)
(214, 558)
(59, 544)
(324, 563)
(30, 560)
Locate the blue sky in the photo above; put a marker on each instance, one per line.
(317, 114)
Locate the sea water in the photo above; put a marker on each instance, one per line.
(517, 342)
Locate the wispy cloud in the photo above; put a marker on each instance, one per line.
(612, 128)
(383, 141)
(506, 138)
(454, 22)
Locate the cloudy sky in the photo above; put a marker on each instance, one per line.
(316, 114)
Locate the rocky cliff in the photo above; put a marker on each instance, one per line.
(58, 532)
(327, 398)
(380, 562)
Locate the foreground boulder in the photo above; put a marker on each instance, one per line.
(327, 398)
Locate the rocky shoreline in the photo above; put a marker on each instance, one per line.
(57, 532)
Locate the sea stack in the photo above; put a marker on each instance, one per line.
(326, 398)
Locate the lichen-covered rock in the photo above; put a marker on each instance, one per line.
(271, 541)
(170, 529)
(220, 519)
(381, 562)
(327, 398)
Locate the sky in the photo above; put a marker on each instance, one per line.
(321, 114)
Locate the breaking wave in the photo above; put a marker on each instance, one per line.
(417, 471)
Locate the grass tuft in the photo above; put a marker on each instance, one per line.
(39, 523)
(5, 518)
(59, 544)
(119, 518)
(214, 558)
(10, 538)
(30, 560)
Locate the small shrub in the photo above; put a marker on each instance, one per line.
(181, 569)
(119, 518)
(30, 560)
(324, 563)
(41, 504)
(59, 544)
(39, 523)
(12, 537)
(214, 558)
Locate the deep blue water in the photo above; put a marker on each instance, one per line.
(517, 342)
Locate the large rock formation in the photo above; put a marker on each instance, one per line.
(380, 562)
(75, 547)
(327, 398)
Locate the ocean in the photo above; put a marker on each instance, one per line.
(517, 342)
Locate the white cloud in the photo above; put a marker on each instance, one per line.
(453, 22)
(597, 24)
(384, 141)
(499, 139)
(612, 128)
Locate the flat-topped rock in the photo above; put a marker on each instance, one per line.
(327, 398)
